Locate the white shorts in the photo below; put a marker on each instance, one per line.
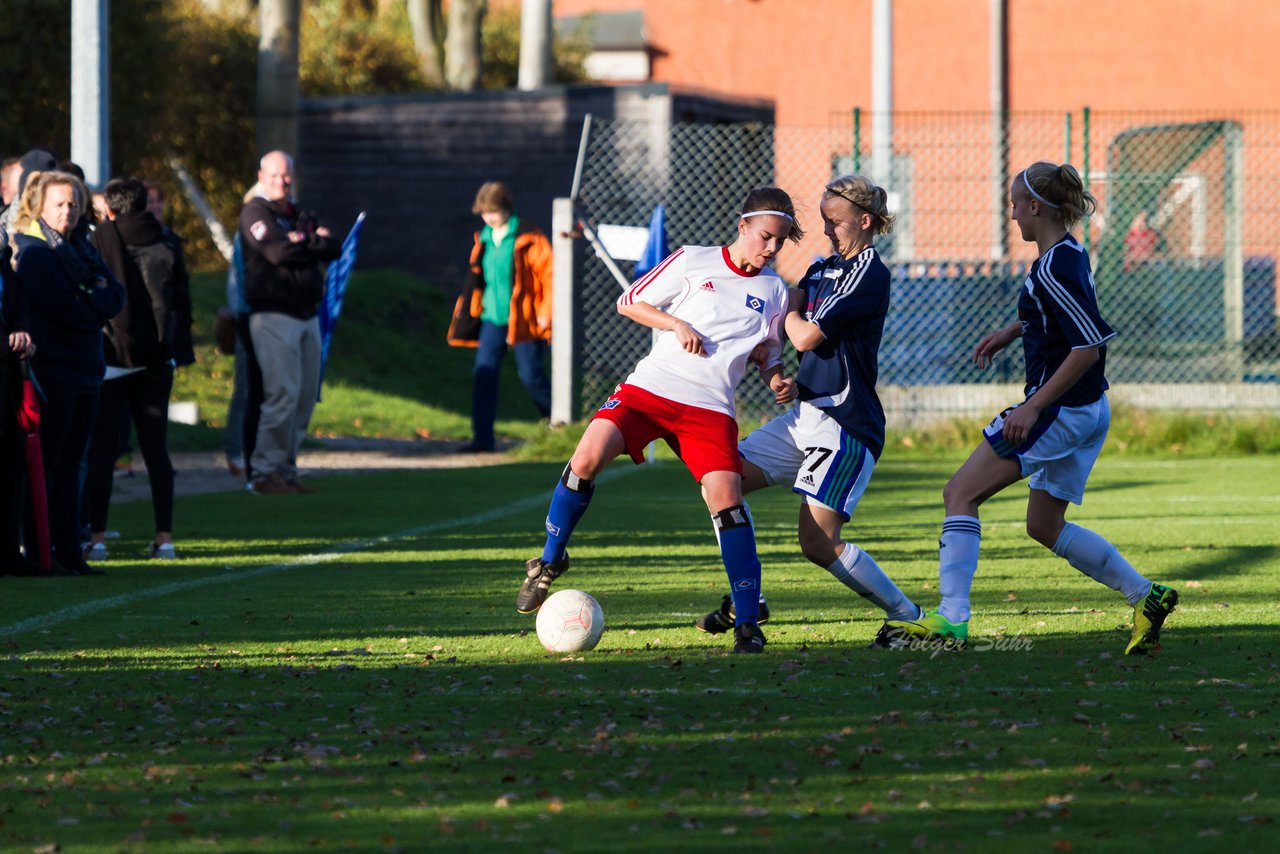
(1062, 448)
(810, 450)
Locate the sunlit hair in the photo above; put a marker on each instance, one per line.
(31, 202)
(861, 193)
(773, 199)
(288, 159)
(492, 197)
(1060, 187)
(38, 184)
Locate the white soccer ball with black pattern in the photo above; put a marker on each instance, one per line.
(570, 621)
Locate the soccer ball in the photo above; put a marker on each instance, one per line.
(570, 621)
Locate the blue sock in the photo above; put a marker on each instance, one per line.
(568, 503)
(738, 551)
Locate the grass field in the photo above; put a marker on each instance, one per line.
(346, 671)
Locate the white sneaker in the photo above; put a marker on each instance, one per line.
(95, 551)
(161, 551)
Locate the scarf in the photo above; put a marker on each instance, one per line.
(74, 253)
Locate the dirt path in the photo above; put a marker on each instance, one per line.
(204, 472)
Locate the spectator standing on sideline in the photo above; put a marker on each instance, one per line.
(10, 171)
(35, 160)
(155, 202)
(143, 343)
(506, 303)
(241, 432)
(15, 345)
(283, 248)
(71, 295)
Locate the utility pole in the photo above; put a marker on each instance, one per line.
(535, 44)
(278, 76)
(91, 90)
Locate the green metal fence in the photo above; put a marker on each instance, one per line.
(1184, 245)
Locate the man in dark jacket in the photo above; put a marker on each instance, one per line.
(284, 284)
(141, 345)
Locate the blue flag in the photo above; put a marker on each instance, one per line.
(655, 248)
(335, 288)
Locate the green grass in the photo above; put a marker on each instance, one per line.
(390, 372)
(346, 671)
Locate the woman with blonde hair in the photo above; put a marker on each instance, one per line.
(71, 295)
(1055, 434)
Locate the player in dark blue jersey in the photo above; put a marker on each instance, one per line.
(827, 445)
(1053, 436)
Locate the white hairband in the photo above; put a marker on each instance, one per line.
(785, 216)
(1041, 199)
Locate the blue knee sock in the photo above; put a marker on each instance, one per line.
(568, 503)
(738, 551)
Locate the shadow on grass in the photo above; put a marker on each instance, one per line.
(796, 749)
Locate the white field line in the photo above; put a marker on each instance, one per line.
(84, 609)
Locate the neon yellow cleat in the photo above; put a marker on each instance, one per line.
(930, 626)
(1148, 616)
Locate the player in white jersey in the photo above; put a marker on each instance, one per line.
(713, 307)
(1055, 435)
(826, 447)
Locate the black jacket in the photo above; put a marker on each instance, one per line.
(67, 312)
(155, 325)
(280, 275)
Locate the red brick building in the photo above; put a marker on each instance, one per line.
(813, 57)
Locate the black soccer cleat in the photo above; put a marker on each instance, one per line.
(539, 575)
(722, 619)
(747, 638)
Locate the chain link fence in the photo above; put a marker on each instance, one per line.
(1184, 244)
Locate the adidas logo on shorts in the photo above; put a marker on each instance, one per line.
(807, 480)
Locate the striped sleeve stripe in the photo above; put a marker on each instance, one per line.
(1068, 301)
(847, 284)
(631, 293)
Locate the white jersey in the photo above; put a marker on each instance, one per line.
(733, 311)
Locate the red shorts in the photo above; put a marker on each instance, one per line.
(706, 441)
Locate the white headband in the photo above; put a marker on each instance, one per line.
(785, 216)
(1041, 199)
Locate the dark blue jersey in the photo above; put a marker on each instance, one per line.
(1058, 309)
(848, 300)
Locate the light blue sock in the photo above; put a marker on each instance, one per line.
(859, 571)
(1093, 555)
(568, 503)
(741, 563)
(957, 564)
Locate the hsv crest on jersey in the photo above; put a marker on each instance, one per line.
(611, 403)
(755, 303)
